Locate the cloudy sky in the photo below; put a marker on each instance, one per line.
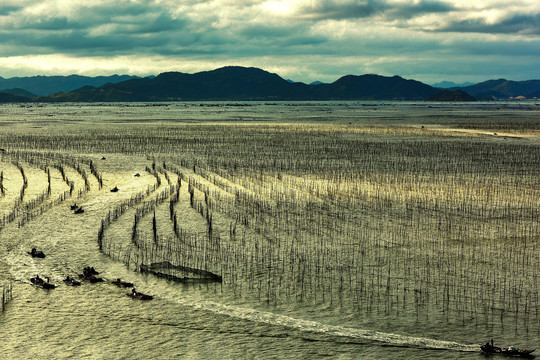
(302, 40)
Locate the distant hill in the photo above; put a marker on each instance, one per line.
(373, 87)
(19, 92)
(6, 97)
(245, 84)
(46, 85)
(448, 95)
(503, 89)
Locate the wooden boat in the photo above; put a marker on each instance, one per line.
(114, 189)
(89, 274)
(92, 278)
(137, 295)
(121, 283)
(89, 270)
(36, 254)
(71, 281)
(506, 351)
(42, 283)
(78, 211)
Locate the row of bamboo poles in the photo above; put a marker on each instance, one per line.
(7, 295)
(314, 251)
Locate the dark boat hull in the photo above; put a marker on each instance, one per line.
(42, 283)
(72, 282)
(140, 296)
(524, 353)
(122, 283)
(37, 254)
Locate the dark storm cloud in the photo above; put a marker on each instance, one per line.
(516, 24)
(338, 10)
(8, 9)
(407, 11)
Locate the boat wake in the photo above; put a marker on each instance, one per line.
(310, 330)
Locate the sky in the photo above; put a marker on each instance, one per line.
(301, 40)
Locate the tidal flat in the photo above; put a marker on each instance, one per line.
(332, 229)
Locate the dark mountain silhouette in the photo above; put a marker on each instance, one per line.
(245, 84)
(46, 85)
(19, 92)
(503, 89)
(374, 87)
(448, 95)
(6, 97)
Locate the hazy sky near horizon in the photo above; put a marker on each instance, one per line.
(302, 40)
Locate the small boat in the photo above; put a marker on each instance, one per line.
(114, 189)
(71, 281)
(92, 278)
(74, 207)
(36, 254)
(506, 351)
(121, 283)
(42, 283)
(89, 274)
(137, 295)
(89, 270)
(78, 211)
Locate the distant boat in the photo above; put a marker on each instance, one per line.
(42, 283)
(506, 351)
(121, 283)
(92, 278)
(89, 274)
(137, 295)
(71, 281)
(36, 254)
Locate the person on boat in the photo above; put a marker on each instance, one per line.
(133, 292)
(33, 252)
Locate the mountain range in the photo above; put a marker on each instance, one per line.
(236, 83)
(46, 85)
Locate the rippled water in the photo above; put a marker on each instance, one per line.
(98, 321)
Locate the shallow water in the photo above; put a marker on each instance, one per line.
(98, 321)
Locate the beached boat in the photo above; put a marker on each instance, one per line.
(507, 351)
